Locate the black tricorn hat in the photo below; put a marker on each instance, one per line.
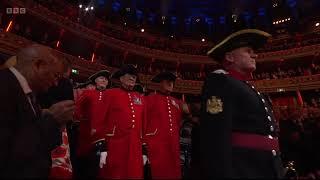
(83, 85)
(164, 76)
(125, 69)
(253, 38)
(104, 73)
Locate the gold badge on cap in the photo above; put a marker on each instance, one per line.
(214, 105)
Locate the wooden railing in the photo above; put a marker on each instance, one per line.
(11, 43)
(47, 15)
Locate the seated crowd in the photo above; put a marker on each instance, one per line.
(156, 42)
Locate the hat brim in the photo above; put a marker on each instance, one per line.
(83, 85)
(253, 38)
(126, 70)
(164, 76)
(103, 73)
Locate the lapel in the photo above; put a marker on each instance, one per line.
(24, 107)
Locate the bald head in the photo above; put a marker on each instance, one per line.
(41, 66)
(35, 52)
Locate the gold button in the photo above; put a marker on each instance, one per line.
(269, 118)
(252, 87)
(131, 104)
(258, 93)
(266, 109)
(170, 124)
(170, 129)
(169, 115)
(133, 121)
(263, 100)
(132, 111)
(133, 115)
(270, 137)
(274, 152)
(169, 111)
(132, 126)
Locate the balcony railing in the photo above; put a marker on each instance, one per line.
(47, 15)
(11, 43)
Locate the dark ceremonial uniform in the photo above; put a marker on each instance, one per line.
(237, 130)
(237, 134)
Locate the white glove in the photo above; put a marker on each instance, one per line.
(103, 159)
(145, 159)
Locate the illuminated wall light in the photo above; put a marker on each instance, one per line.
(80, 6)
(58, 43)
(9, 26)
(92, 57)
(142, 30)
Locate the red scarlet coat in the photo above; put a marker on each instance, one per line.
(121, 128)
(164, 115)
(87, 107)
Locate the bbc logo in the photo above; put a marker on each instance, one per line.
(16, 10)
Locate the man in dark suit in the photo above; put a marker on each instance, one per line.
(28, 133)
(237, 133)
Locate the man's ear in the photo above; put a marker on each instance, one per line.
(121, 79)
(36, 64)
(229, 57)
(96, 80)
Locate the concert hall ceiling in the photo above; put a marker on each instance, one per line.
(207, 18)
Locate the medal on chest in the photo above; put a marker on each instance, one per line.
(174, 103)
(137, 100)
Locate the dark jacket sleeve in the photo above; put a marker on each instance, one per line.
(51, 130)
(7, 116)
(215, 127)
